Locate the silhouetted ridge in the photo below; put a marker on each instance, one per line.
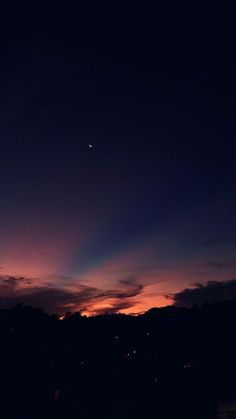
(171, 362)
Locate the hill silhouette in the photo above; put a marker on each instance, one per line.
(169, 362)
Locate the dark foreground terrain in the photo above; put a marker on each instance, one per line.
(167, 363)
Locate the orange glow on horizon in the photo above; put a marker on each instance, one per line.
(47, 259)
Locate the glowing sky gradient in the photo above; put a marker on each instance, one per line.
(56, 255)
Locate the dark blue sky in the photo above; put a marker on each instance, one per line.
(152, 203)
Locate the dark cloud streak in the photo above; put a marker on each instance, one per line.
(16, 290)
(212, 292)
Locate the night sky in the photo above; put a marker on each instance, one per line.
(117, 155)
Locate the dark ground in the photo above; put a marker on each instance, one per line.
(167, 363)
